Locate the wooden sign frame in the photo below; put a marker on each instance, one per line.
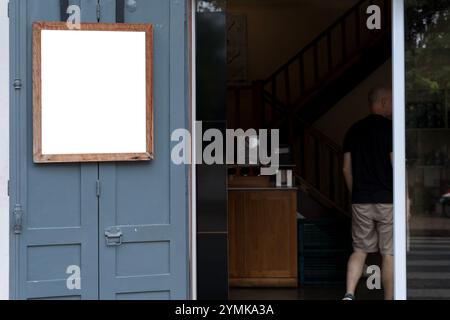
(38, 156)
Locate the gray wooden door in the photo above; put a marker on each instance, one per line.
(147, 201)
(65, 209)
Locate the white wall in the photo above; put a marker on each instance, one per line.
(4, 150)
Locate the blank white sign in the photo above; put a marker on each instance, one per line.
(93, 92)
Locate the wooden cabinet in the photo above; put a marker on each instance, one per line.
(263, 238)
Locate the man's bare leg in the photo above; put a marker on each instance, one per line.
(354, 270)
(387, 277)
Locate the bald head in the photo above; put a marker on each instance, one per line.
(380, 101)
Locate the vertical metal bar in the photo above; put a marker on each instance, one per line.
(398, 80)
(120, 11)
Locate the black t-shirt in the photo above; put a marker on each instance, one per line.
(370, 143)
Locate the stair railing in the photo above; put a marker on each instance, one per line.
(324, 57)
(318, 159)
(319, 164)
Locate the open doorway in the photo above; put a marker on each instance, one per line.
(305, 68)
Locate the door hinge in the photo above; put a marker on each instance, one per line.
(98, 188)
(8, 187)
(9, 8)
(18, 217)
(98, 11)
(17, 84)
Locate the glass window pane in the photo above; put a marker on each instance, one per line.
(427, 146)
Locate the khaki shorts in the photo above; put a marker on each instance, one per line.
(372, 228)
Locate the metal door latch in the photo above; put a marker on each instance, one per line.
(17, 216)
(113, 237)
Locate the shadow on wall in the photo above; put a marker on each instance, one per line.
(354, 106)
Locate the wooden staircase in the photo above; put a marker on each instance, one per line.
(346, 50)
(306, 87)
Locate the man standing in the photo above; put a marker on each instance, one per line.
(369, 176)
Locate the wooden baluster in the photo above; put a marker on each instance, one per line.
(290, 116)
(287, 83)
(271, 114)
(317, 163)
(302, 152)
(331, 175)
(344, 40)
(330, 51)
(358, 27)
(263, 119)
(302, 74)
(237, 108)
(274, 87)
(316, 63)
(258, 112)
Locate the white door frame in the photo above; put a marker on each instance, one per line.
(193, 174)
(398, 82)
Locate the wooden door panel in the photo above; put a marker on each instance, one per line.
(263, 237)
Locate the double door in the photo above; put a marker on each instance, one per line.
(101, 230)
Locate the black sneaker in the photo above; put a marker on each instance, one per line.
(349, 296)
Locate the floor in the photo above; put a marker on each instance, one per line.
(428, 277)
(309, 292)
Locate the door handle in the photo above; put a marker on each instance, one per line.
(113, 237)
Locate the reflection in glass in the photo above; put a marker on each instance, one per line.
(428, 143)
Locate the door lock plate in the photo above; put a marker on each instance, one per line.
(113, 237)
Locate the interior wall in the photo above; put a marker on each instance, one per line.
(354, 106)
(4, 150)
(278, 29)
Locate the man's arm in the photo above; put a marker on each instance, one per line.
(347, 169)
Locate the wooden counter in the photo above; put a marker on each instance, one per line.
(262, 237)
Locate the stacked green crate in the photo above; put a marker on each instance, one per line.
(324, 246)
